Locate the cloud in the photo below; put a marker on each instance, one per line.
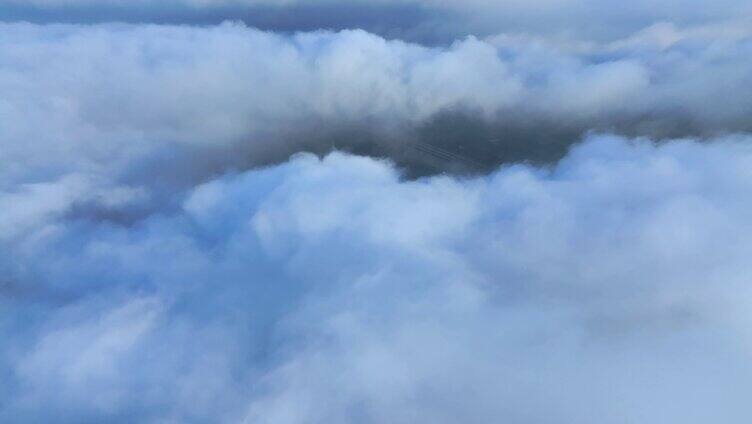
(545, 221)
(166, 107)
(609, 287)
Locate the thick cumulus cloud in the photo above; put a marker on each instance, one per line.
(225, 224)
(609, 288)
(433, 21)
(129, 103)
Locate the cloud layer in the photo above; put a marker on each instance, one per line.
(123, 102)
(546, 221)
(610, 288)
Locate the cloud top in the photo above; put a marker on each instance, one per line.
(229, 97)
(478, 212)
(609, 287)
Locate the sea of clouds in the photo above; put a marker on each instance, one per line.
(423, 221)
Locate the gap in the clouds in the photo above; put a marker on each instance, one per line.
(454, 144)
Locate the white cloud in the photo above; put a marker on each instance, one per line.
(164, 258)
(610, 287)
(124, 102)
